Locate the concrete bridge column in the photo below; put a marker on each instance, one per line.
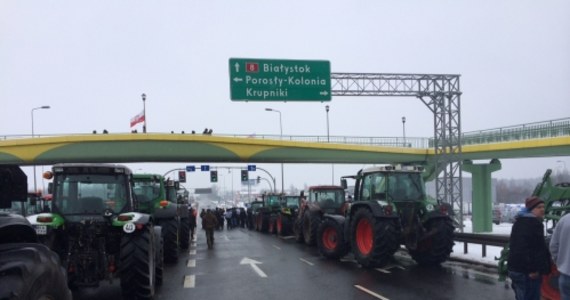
(482, 200)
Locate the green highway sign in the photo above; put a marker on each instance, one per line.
(253, 79)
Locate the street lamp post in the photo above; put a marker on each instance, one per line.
(32, 113)
(327, 108)
(144, 111)
(404, 129)
(281, 137)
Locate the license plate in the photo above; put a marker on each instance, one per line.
(41, 229)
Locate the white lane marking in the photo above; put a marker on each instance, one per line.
(226, 237)
(306, 261)
(383, 271)
(389, 267)
(189, 281)
(276, 247)
(192, 252)
(370, 292)
(191, 263)
(287, 237)
(253, 264)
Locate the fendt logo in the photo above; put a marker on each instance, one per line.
(251, 67)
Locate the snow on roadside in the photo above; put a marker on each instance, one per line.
(475, 251)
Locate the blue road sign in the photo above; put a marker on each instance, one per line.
(251, 168)
(190, 169)
(205, 168)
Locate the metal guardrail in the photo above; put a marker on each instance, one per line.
(482, 239)
(536, 130)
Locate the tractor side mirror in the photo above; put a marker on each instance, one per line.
(343, 183)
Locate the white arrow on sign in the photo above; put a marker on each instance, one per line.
(324, 93)
(237, 79)
(237, 67)
(253, 264)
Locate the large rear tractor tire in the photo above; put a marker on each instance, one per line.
(373, 240)
(330, 239)
(184, 233)
(137, 268)
(311, 222)
(31, 271)
(170, 235)
(437, 244)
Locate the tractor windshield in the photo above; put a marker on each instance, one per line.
(272, 200)
(146, 190)
(90, 193)
(291, 201)
(394, 186)
(328, 198)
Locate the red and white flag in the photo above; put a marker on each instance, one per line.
(137, 119)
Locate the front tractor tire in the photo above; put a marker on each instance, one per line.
(298, 231)
(373, 240)
(330, 239)
(311, 222)
(436, 245)
(137, 269)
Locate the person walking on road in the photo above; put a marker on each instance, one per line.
(192, 213)
(560, 250)
(528, 253)
(209, 223)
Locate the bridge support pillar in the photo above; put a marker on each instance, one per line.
(482, 200)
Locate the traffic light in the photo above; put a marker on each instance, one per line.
(244, 175)
(182, 176)
(213, 176)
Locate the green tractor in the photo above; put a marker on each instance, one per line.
(285, 217)
(158, 197)
(321, 200)
(97, 230)
(390, 208)
(265, 216)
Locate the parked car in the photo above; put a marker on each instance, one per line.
(496, 216)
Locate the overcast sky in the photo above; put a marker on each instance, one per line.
(91, 61)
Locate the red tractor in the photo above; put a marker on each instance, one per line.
(324, 199)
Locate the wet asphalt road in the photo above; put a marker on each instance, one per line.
(249, 265)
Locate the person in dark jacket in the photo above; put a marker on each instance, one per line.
(209, 223)
(529, 257)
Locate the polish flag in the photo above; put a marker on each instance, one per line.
(137, 119)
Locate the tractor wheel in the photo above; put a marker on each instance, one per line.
(437, 243)
(159, 255)
(298, 231)
(31, 271)
(258, 222)
(283, 225)
(262, 223)
(184, 233)
(137, 268)
(271, 226)
(373, 241)
(310, 224)
(330, 239)
(170, 235)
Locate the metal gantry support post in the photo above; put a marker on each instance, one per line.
(441, 94)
